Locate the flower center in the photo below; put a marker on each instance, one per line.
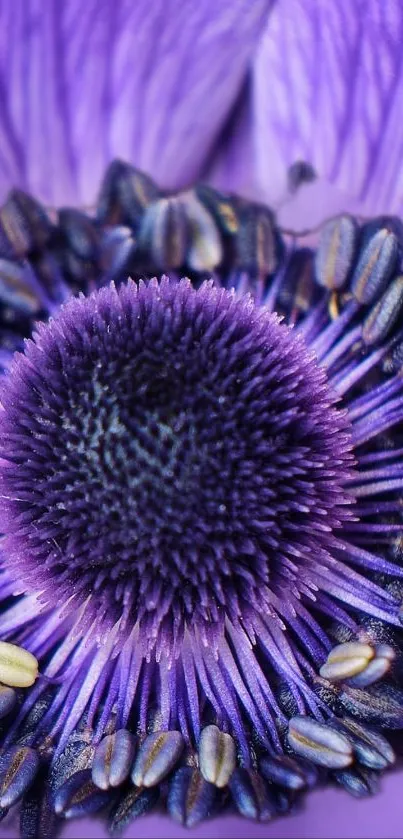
(173, 454)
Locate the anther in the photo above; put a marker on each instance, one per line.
(205, 250)
(165, 233)
(191, 797)
(217, 756)
(18, 767)
(8, 698)
(78, 796)
(113, 759)
(346, 660)
(25, 223)
(18, 667)
(335, 252)
(380, 704)
(384, 315)
(319, 743)
(157, 757)
(250, 795)
(375, 266)
(133, 804)
(283, 770)
(370, 748)
(124, 195)
(257, 241)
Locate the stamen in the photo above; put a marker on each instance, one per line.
(157, 756)
(375, 266)
(384, 315)
(18, 667)
(18, 767)
(190, 473)
(78, 796)
(319, 743)
(190, 799)
(335, 253)
(124, 195)
(284, 771)
(134, 803)
(370, 748)
(113, 759)
(346, 660)
(217, 756)
(251, 796)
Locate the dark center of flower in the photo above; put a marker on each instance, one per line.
(173, 455)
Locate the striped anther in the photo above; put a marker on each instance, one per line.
(217, 756)
(319, 743)
(18, 667)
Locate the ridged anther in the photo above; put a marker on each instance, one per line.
(8, 698)
(257, 241)
(15, 290)
(124, 195)
(157, 756)
(113, 759)
(283, 770)
(18, 767)
(191, 798)
(380, 705)
(318, 742)
(375, 266)
(134, 803)
(346, 660)
(299, 288)
(358, 782)
(165, 233)
(25, 223)
(217, 756)
(376, 669)
(205, 250)
(250, 795)
(79, 234)
(221, 207)
(382, 318)
(78, 796)
(18, 667)
(335, 252)
(118, 248)
(370, 748)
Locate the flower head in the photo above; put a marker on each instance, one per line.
(200, 411)
(172, 453)
(199, 496)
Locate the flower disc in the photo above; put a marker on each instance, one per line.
(173, 456)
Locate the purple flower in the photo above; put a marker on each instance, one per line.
(149, 83)
(200, 479)
(324, 88)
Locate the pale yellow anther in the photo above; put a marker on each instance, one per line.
(18, 667)
(351, 649)
(346, 661)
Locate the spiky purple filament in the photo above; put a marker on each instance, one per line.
(179, 456)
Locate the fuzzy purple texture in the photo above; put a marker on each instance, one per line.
(179, 455)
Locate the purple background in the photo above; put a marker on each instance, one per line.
(327, 815)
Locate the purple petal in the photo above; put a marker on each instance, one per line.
(232, 164)
(83, 82)
(327, 88)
